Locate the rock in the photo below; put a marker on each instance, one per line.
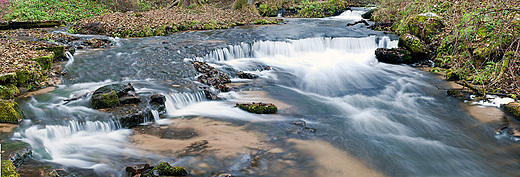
(137, 170)
(165, 169)
(241, 163)
(513, 109)
(135, 118)
(8, 169)
(105, 100)
(211, 76)
(10, 112)
(394, 56)
(258, 108)
(368, 15)
(457, 93)
(415, 45)
(130, 99)
(355, 23)
(245, 75)
(158, 99)
(109, 96)
(96, 43)
(19, 157)
(423, 26)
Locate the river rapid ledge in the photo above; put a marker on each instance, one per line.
(340, 112)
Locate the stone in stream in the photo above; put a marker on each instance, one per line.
(258, 108)
(137, 170)
(241, 163)
(394, 56)
(244, 75)
(424, 26)
(126, 106)
(165, 169)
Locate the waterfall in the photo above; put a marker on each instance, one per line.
(175, 101)
(70, 58)
(293, 48)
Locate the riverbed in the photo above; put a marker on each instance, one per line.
(341, 112)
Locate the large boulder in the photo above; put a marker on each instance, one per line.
(110, 96)
(423, 25)
(394, 56)
(10, 112)
(415, 45)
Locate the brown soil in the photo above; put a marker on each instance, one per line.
(149, 23)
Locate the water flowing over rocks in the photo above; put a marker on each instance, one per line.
(211, 76)
(126, 106)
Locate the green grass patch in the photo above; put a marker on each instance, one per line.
(65, 10)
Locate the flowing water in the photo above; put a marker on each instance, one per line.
(391, 117)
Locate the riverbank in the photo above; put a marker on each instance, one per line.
(477, 42)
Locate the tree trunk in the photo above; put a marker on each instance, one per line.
(135, 5)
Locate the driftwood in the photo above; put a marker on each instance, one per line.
(78, 97)
(30, 24)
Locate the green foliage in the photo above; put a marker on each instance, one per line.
(318, 9)
(8, 169)
(65, 10)
(267, 10)
(8, 91)
(239, 4)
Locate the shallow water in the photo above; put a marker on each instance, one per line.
(392, 118)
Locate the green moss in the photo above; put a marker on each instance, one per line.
(10, 112)
(412, 43)
(8, 91)
(423, 26)
(164, 168)
(8, 169)
(28, 76)
(105, 100)
(513, 109)
(45, 61)
(239, 4)
(8, 79)
(259, 108)
(451, 75)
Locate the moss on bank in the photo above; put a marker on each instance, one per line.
(8, 169)
(10, 112)
(165, 169)
(478, 42)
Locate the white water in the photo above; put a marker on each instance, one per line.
(349, 15)
(79, 144)
(70, 58)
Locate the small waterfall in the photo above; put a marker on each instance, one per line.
(350, 15)
(293, 48)
(155, 114)
(70, 58)
(175, 101)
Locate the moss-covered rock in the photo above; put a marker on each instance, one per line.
(424, 26)
(10, 112)
(394, 56)
(8, 169)
(258, 108)
(59, 53)
(8, 91)
(513, 108)
(452, 75)
(165, 169)
(45, 61)
(413, 44)
(368, 15)
(105, 100)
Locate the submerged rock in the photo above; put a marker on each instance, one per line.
(10, 112)
(165, 169)
(211, 76)
(244, 75)
(394, 56)
(258, 108)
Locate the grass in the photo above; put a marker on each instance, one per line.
(65, 10)
(480, 42)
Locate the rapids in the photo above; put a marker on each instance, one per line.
(392, 118)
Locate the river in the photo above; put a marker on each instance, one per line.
(362, 117)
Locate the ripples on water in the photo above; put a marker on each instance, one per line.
(390, 116)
